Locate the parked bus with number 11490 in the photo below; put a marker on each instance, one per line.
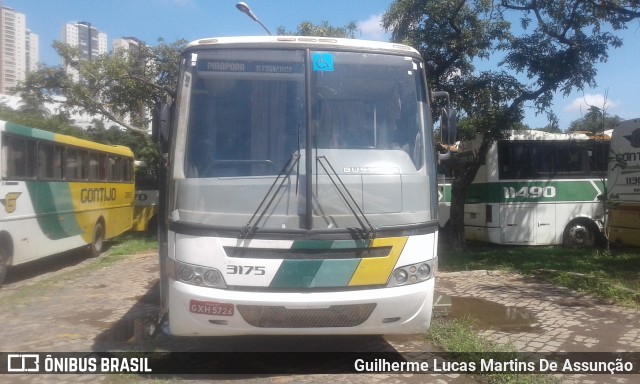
(534, 188)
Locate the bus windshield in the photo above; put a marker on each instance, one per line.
(302, 139)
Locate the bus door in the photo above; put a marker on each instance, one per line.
(517, 223)
(545, 224)
(528, 223)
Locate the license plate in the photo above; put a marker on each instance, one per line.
(211, 308)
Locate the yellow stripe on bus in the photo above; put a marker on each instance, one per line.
(81, 143)
(376, 270)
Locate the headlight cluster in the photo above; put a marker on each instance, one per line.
(411, 274)
(196, 275)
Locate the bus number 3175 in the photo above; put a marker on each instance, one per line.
(529, 192)
(245, 270)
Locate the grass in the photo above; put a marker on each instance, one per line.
(612, 276)
(130, 243)
(459, 338)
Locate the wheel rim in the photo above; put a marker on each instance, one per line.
(579, 235)
(98, 238)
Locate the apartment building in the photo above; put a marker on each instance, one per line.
(19, 49)
(90, 40)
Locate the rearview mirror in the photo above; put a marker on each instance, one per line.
(448, 120)
(448, 126)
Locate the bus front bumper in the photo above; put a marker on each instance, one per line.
(203, 311)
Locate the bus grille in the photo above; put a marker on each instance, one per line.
(263, 316)
(307, 254)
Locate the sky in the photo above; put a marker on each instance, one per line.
(618, 79)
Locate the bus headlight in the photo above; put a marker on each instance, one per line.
(212, 277)
(411, 274)
(185, 272)
(424, 270)
(400, 276)
(196, 275)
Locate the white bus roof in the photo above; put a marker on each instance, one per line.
(541, 135)
(306, 40)
(627, 123)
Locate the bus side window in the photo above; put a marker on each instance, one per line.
(19, 158)
(58, 162)
(102, 167)
(127, 170)
(73, 164)
(83, 158)
(94, 165)
(114, 171)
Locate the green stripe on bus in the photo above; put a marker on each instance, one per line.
(29, 132)
(54, 209)
(335, 273)
(295, 274)
(329, 244)
(534, 191)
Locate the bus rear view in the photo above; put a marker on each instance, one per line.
(300, 194)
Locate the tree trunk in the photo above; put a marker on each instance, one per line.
(465, 173)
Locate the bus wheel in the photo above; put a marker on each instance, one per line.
(4, 265)
(95, 249)
(579, 234)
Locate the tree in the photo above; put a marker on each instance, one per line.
(557, 46)
(595, 120)
(115, 86)
(307, 28)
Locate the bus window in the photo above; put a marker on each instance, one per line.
(115, 169)
(94, 167)
(18, 157)
(50, 160)
(76, 160)
(102, 167)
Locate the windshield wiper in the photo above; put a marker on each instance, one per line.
(368, 229)
(250, 228)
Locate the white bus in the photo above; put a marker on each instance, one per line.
(624, 184)
(300, 192)
(59, 193)
(535, 188)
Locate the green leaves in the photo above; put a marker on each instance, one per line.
(120, 86)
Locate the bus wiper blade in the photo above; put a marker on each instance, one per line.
(251, 226)
(368, 229)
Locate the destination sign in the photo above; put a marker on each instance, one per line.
(250, 66)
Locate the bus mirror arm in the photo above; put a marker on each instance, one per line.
(444, 156)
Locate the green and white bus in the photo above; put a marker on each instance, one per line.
(624, 184)
(534, 188)
(59, 193)
(300, 194)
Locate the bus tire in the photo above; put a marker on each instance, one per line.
(579, 234)
(4, 264)
(97, 242)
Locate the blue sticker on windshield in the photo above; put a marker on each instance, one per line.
(322, 62)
